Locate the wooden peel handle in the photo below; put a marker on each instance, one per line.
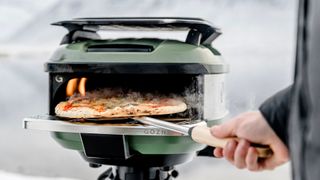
(201, 134)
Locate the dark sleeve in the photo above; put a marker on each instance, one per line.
(276, 111)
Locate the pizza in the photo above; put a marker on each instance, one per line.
(108, 103)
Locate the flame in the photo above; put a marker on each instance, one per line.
(82, 86)
(72, 86)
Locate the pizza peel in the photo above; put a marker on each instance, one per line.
(201, 134)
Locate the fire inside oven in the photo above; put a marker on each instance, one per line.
(185, 86)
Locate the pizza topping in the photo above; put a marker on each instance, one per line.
(67, 106)
(116, 103)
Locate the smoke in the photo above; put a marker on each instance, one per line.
(193, 96)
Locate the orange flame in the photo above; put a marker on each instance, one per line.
(82, 86)
(72, 86)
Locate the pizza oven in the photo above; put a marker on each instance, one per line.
(192, 69)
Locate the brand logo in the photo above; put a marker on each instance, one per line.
(59, 79)
(155, 131)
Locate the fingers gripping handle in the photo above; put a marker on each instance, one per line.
(201, 134)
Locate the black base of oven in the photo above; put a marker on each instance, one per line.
(142, 161)
(139, 166)
(138, 173)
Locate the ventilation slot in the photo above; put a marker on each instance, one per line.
(120, 48)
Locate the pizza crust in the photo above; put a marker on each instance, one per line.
(160, 107)
(77, 112)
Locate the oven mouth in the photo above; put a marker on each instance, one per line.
(185, 87)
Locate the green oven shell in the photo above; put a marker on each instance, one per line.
(141, 144)
(164, 51)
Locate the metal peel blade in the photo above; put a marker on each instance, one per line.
(163, 124)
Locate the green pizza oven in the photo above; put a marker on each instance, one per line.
(191, 67)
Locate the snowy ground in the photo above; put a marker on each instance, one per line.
(13, 176)
(220, 171)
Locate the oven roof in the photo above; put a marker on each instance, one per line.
(82, 48)
(91, 25)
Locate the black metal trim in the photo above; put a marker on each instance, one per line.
(207, 152)
(119, 48)
(96, 146)
(136, 68)
(194, 37)
(142, 160)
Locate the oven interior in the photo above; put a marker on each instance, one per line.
(187, 86)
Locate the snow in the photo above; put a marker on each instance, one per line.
(12, 176)
(14, 14)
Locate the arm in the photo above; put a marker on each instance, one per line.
(253, 127)
(276, 111)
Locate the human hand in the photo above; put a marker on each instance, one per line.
(250, 127)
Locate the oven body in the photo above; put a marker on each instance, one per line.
(194, 69)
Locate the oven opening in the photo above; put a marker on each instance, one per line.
(187, 87)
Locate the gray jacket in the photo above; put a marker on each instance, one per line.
(294, 113)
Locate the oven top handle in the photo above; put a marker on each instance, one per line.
(200, 31)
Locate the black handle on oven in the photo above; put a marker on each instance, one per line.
(200, 31)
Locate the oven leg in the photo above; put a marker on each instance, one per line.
(107, 175)
(141, 173)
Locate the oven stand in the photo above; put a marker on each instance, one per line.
(139, 173)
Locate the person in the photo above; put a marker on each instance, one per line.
(289, 122)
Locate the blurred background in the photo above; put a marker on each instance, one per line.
(258, 42)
